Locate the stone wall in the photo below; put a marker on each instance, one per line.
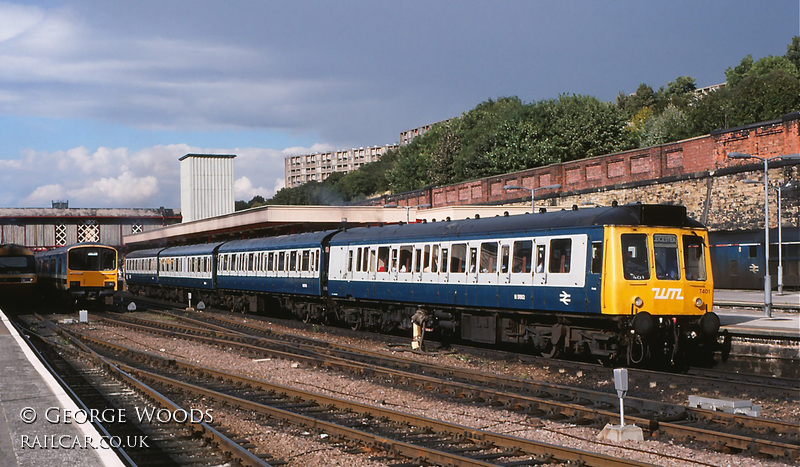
(695, 172)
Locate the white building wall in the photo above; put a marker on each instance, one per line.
(206, 186)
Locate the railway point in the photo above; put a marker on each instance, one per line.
(27, 393)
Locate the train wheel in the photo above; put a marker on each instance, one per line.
(357, 324)
(551, 350)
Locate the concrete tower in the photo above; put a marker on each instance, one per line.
(206, 186)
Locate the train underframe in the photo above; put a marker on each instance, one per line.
(643, 340)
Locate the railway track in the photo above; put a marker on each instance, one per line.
(741, 434)
(99, 385)
(402, 436)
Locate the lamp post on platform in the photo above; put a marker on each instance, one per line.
(767, 277)
(532, 190)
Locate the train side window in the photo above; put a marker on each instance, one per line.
(523, 250)
(444, 259)
(504, 256)
(282, 261)
(435, 259)
(426, 258)
(251, 262)
(560, 255)
(694, 258)
(665, 250)
(383, 258)
(541, 256)
(306, 261)
(473, 259)
(458, 261)
(350, 261)
(597, 258)
(373, 260)
(394, 260)
(489, 257)
(635, 262)
(406, 254)
(358, 259)
(365, 266)
(293, 261)
(418, 260)
(271, 261)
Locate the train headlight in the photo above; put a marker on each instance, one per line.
(698, 302)
(638, 302)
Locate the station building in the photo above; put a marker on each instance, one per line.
(59, 225)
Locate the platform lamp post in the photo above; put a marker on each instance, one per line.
(767, 277)
(408, 209)
(533, 191)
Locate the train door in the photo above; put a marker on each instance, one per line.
(566, 273)
(487, 273)
(428, 289)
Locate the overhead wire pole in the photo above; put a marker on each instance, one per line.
(767, 277)
(533, 191)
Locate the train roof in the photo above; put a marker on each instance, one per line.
(66, 248)
(144, 253)
(12, 249)
(199, 249)
(301, 240)
(630, 215)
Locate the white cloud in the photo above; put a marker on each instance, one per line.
(17, 19)
(118, 177)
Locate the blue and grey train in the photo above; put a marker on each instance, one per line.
(620, 283)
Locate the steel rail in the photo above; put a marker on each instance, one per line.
(505, 443)
(576, 411)
(244, 456)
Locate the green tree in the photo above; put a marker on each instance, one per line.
(669, 125)
(793, 52)
(757, 98)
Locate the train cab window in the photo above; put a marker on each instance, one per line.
(752, 251)
(665, 250)
(597, 258)
(635, 265)
(383, 259)
(523, 250)
(694, 258)
(489, 257)
(504, 256)
(458, 259)
(406, 254)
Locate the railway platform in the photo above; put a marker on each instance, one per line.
(743, 310)
(33, 409)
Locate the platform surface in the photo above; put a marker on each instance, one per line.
(28, 391)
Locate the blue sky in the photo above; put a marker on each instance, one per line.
(98, 99)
